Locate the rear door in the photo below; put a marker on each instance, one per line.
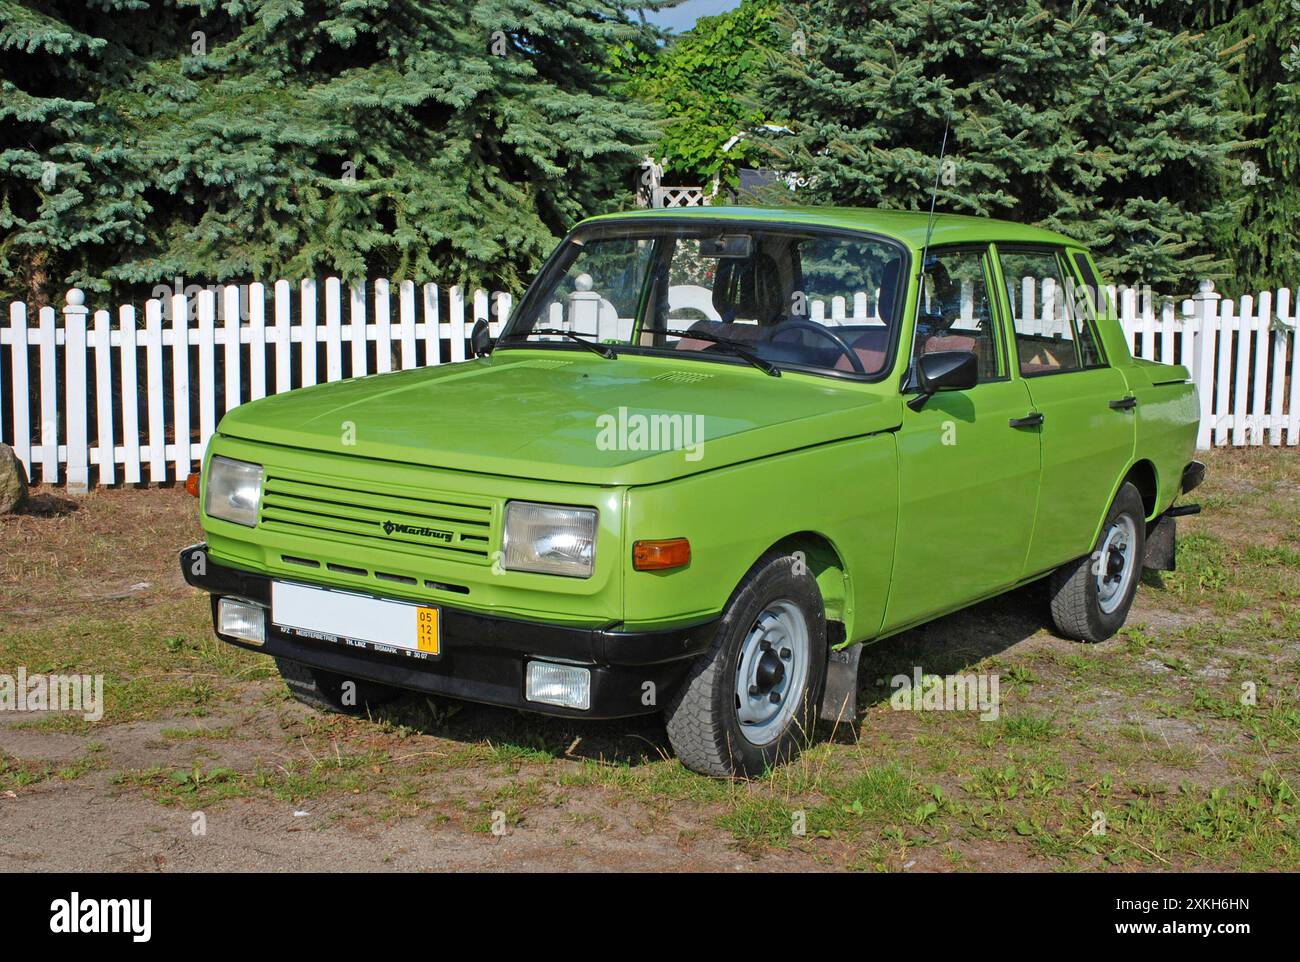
(967, 477)
(1088, 422)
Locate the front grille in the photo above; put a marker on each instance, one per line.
(454, 527)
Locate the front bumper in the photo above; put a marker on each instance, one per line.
(483, 657)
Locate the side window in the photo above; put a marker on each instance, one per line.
(956, 310)
(1053, 333)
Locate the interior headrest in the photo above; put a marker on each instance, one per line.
(748, 288)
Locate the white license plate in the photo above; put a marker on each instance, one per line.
(356, 620)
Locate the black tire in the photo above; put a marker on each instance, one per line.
(702, 717)
(1076, 602)
(324, 690)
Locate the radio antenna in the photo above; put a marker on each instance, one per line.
(929, 224)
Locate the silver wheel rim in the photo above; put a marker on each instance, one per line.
(1116, 562)
(772, 672)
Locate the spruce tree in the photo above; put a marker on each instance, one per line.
(1083, 119)
(1263, 240)
(448, 140)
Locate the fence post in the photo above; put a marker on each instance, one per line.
(456, 308)
(1207, 313)
(74, 366)
(432, 326)
(407, 313)
(182, 451)
(49, 397)
(383, 328)
(19, 338)
(105, 452)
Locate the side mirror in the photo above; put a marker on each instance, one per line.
(943, 371)
(480, 338)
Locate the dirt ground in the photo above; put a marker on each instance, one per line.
(1174, 745)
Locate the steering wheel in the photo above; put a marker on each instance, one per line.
(802, 324)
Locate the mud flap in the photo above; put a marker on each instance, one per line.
(1161, 544)
(840, 697)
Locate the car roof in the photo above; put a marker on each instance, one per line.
(908, 226)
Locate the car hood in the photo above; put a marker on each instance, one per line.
(568, 416)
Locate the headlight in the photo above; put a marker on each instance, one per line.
(234, 490)
(550, 539)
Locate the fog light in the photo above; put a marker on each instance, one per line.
(565, 685)
(241, 619)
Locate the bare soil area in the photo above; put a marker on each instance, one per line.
(1175, 745)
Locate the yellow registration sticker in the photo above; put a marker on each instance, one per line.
(426, 637)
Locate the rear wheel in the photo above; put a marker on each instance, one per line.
(750, 702)
(328, 691)
(1091, 596)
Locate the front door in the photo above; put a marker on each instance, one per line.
(967, 477)
(1088, 428)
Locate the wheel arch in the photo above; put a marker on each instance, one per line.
(1145, 477)
(826, 563)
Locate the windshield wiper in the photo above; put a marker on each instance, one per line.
(603, 350)
(736, 347)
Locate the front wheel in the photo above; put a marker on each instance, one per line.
(1091, 596)
(750, 702)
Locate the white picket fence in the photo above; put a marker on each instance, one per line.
(116, 397)
(114, 400)
(1243, 354)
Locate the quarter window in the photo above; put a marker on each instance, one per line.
(1053, 333)
(1092, 293)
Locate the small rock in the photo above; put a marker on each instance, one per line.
(13, 480)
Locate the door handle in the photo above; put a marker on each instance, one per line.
(1124, 403)
(1028, 421)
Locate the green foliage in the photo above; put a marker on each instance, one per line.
(1266, 236)
(1265, 181)
(142, 140)
(704, 83)
(1083, 119)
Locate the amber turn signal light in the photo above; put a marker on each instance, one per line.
(192, 484)
(661, 555)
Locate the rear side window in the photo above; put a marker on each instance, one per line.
(1053, 328)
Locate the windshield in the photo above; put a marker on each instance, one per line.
(802, 299)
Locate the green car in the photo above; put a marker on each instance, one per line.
(710, 454)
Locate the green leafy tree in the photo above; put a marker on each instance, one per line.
(704, 83)
(1083, 119)
(234, 139)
